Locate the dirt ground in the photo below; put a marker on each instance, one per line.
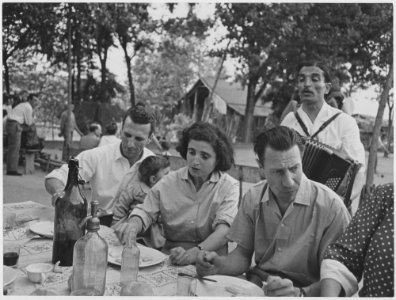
(31, 187)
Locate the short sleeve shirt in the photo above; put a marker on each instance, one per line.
(189, 216)
(292, 244)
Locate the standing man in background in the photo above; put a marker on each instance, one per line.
(340, 133)
(20, 116)
(73, 123)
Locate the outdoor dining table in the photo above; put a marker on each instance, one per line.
(161, 277)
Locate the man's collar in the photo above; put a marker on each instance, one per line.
(303, 193)
(117, 153)
(302, 197)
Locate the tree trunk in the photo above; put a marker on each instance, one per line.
(389, 133)
(78, 63)
(377, 128)
(130, 78)
(195, 109)
(103, 76)
(208, 105)
(249, 111)
(67, 143)
(6, 75)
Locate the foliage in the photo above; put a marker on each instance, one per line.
(48, 82)
(179, 123)
(132, 26)
(27, 25)
(271, 39)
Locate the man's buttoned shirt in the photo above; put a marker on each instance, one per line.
(292, 244)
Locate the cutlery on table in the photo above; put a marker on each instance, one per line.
(198, 277)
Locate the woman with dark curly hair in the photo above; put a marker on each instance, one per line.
(196, 203)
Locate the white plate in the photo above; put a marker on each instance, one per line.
(227, 286)
(45, 228)
(148, 256)
(9, 275)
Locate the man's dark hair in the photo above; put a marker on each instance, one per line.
(211, 134)
(315, 63)
(93, 127)
(280, 138)
(140, 114)
(151, 165)
(111, 128)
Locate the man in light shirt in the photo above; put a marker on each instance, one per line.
(21, 115)
(105, 167)
(287, 221)
(342, 133)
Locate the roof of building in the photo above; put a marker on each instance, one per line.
(232, 95)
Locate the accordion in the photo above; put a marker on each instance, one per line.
(325, 165)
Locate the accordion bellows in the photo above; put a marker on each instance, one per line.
(323, 164)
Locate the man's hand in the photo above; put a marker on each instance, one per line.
(179, 256)
(123, 230)
(208, 263)
(280, 287)
(57, 195)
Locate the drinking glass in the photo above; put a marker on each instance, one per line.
(11, 252)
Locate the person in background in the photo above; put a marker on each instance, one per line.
(109, 136)
(150, 171)
(7, 107)
(287, 221)
(335, 98)
(165, 145)
(73, 124)
(341, 133)
(366, 249)
(105, 167)
(20, 116)
(92, 139)
(197, 203)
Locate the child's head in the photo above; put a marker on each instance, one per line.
(153, 168)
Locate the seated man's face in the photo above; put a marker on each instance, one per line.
(283, 171)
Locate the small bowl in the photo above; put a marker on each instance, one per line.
(38, 272)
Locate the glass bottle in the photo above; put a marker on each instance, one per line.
(70, 215)
(90, 259)
(130, 261)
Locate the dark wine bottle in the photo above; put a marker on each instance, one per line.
(70, 216)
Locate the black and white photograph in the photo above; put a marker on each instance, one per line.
(198, 149)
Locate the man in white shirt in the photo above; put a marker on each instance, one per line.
(20, 115)
(105, 167)
(342, 133)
